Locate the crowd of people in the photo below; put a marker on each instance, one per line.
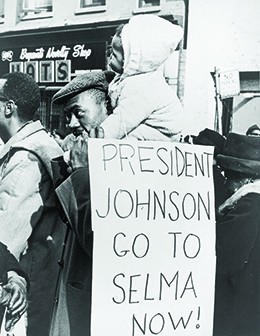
(46, 238)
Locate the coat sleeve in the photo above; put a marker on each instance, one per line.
(21, 202)
(236, 234)
(9, 263)
(134, 106)
(74, 195)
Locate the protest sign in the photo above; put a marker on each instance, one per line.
(154, 238)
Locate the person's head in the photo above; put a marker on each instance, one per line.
(240, 160)
(253, 130)
(86, 110)
(19, 100)
(143, 44)
(116, 61)
(85, 100)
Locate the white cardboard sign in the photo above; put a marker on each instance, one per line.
(154, 238)
(229, 83)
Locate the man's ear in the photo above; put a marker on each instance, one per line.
(10, 107)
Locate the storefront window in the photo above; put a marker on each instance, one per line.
(90, 3)
(2, 13)
(37, 6)
(148, 3)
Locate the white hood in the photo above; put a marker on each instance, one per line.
(148, 41)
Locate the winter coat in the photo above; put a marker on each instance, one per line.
(237, 290)
(144, 105)
(8, 262)
(73, 311)
(30, 223)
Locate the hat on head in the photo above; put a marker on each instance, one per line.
(241, 154)
(91, 80)
(251, 129)
(209, 137)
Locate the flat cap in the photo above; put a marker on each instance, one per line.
(91, 80)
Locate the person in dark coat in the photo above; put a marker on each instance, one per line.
(210, 137)
(13, 287)
(84, 100)
(237, 289)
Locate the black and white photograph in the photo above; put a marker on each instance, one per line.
(129, 168)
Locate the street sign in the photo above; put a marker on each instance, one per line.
(229, 83)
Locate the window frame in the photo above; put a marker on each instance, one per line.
(146, 9)
(36, 12)
(92, 8)
(2, 17)
(93, 4)
(148, 6)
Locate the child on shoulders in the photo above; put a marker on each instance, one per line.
(144, 106)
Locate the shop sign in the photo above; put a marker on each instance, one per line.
(54, 64)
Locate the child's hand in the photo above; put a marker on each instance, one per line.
(16, 287)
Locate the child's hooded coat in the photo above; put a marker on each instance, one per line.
(145, 107)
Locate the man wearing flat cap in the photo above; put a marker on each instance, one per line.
(89, 92)
(237, 292)
(85, 106)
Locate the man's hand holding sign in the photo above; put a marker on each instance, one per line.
(154, 238)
